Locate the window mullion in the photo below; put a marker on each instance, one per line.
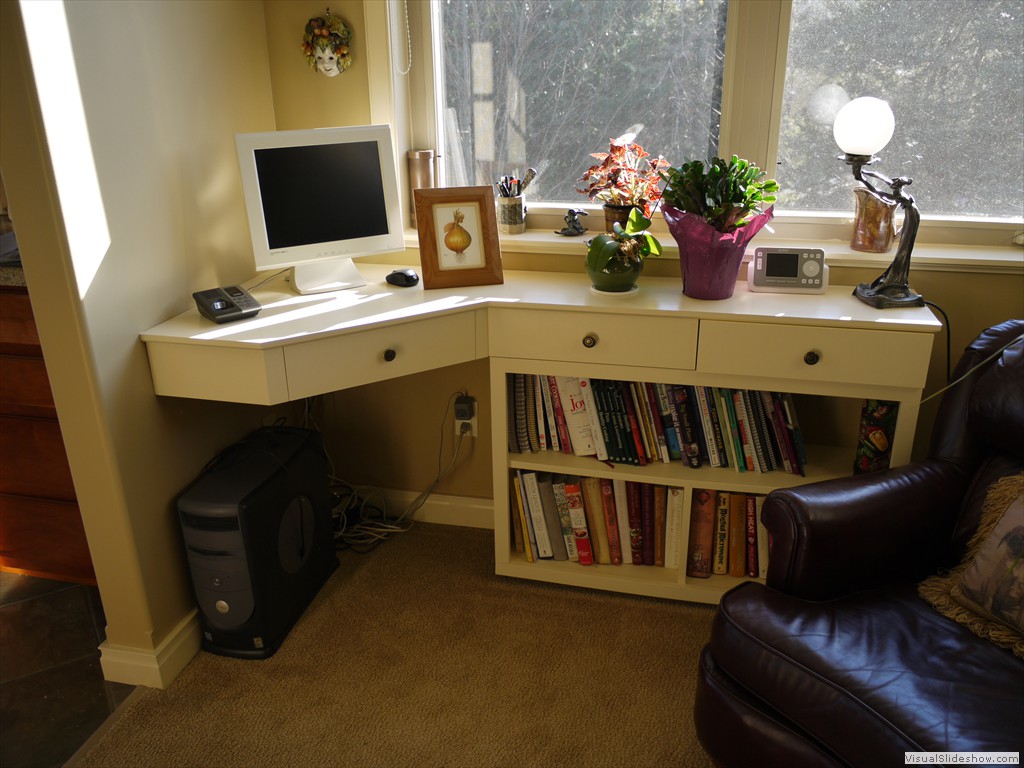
(757, 34)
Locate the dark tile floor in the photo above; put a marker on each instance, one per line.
(52, 692)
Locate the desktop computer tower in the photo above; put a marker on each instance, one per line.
(258, 535)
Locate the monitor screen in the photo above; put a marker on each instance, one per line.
(316, 198)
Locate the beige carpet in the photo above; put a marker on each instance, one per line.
(418, 655)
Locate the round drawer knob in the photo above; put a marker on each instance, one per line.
(812, 358)
(389, 355)
(590, 341)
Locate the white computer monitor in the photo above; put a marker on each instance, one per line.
(316, 198)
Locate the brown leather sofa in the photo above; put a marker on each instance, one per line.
(836, 660)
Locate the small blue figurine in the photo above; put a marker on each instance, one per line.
(573, 226)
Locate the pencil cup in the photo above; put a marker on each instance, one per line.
(511, 215)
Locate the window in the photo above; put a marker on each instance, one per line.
(544, 83)
(953, 74)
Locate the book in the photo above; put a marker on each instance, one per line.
(540, 415)
(643, 420)
(746, 440)
(660, 493)
(771, 454)
(530, 386)
(702, 526)
(578, 518)
(793, 428)
(714, 457)
(636, 525)
(737, 534)
(638, 454)
(565, 521)
(729, 410)
(611, 521)
(658, 425)
(622, 515)
(522, 437)
(530, 541)
(716, 425)
(593, 507)
(751, 535)
(673, 527)
(510, 413)
(559, 413)
(577, 421)
(531, 489)
(753, 424)
(670, 420)
(647, 521)
(690, 447)
(519, 542)
(606, 421)
(693, 405)
(762, 538)
(778, 432)
(720, 563)
(552, 520)
(549, 412)
(590, 407)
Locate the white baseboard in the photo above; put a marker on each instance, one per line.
(470, 511)
(154, 668)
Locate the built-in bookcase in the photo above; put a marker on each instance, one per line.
(757, 353)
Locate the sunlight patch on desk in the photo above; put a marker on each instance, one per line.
(74, 168)
(300, 316)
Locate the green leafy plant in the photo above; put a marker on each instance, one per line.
(624, 175)
(726, 195)
(628, 245)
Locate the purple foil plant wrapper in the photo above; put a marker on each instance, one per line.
(710, 260)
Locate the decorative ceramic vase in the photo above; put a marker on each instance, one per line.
(616, 213)
(617, 277)
(710, 260)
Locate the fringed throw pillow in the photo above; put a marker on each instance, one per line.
(985, 592)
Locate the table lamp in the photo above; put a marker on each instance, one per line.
(862, 128)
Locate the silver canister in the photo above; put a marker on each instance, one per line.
(421, 175)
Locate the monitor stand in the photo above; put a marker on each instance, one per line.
(323, 276)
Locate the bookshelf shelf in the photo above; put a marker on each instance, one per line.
(747, 342)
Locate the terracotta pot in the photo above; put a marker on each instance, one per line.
(616, 213)
(710, 260)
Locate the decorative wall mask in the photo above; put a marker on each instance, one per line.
(326, 45)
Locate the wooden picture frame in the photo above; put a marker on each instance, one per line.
(440, 214)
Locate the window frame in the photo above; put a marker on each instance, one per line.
(757, 34)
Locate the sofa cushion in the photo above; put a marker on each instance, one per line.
(872, 675)
(985, 592)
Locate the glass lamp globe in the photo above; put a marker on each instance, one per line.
(864, 126)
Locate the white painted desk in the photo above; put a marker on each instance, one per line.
(301, 346)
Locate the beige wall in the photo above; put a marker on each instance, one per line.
(161, 104)
(304, 98)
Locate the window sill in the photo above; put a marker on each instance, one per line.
(926, 256)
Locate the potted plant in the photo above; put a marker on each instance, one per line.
(624, 177)
(615, 259)
(713, 210)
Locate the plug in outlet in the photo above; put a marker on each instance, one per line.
(465, 415)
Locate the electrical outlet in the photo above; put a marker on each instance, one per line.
(465, 415)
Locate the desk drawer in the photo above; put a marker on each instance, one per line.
(535, 334)
(846, 355)
(352, 359)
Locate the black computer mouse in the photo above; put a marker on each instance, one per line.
(403, 278)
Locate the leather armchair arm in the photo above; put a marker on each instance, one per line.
(839, 536)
